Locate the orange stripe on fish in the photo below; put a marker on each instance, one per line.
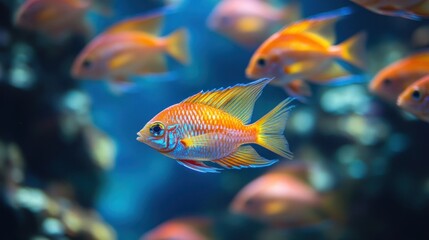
(214, 127)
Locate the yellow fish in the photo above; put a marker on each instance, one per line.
(214, 127)
(305, 51)
(130, 48)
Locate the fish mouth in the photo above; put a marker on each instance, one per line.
(140, 137)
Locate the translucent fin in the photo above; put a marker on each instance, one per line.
(197, 141)
(121, 61)
(271, 127)
(334, 70)
(298, 89)
(298, 67)
(244, 157)
(155, 65)
(238, 100)
(321, 25)
(120, 85)
(177, 45)
(148, 23)
(198, 166)
(353, 50)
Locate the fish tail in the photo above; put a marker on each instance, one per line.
(270, 129)
(353, 50)
(177, 45)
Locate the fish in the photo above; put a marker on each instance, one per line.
(56, 19)
(213, 127)
(280, 197)
(189, 228)
(293, 194)
(415, 98)
(392, 80)
(305, 50)
(250, 22)
(408, 9)
(131, 47)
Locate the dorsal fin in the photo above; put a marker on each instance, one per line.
(238, 100)
(321, 25)
(149, 24)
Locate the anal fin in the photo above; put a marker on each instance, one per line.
(198, 166)
(155, 65)
(333, 71)
(244, 157)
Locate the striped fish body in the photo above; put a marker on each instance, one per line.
(214, 126)
(225, 133)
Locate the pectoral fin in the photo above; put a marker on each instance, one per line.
(244, 157)
(120, 61)
(199, 141)
(332, 72)
(154, 65)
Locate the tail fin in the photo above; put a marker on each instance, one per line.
(177, 45)
(353, 50)
(271, 127)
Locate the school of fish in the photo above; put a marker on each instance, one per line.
(214, 127)
(213, 130)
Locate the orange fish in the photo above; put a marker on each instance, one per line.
(393, 79)
(55, 18)
(250, 22)
(196, 228)
(279, 197)
(410, 9)
(129, 48)
(415, 98)
(305, 51)
(214, 127)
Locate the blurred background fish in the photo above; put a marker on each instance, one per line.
(415, 98)
(59, 18)
(409, 9)
(131, 47)
(250, 22)
(284, 198)
(396, 77)
(304, 51)
(186, 228)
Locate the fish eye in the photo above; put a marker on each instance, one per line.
(86, 63)
(387, 82)
(261, 62)
(157, 129)
(416, 95)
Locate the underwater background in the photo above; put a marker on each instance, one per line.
(71, 168)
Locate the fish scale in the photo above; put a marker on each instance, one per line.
(228, 131)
